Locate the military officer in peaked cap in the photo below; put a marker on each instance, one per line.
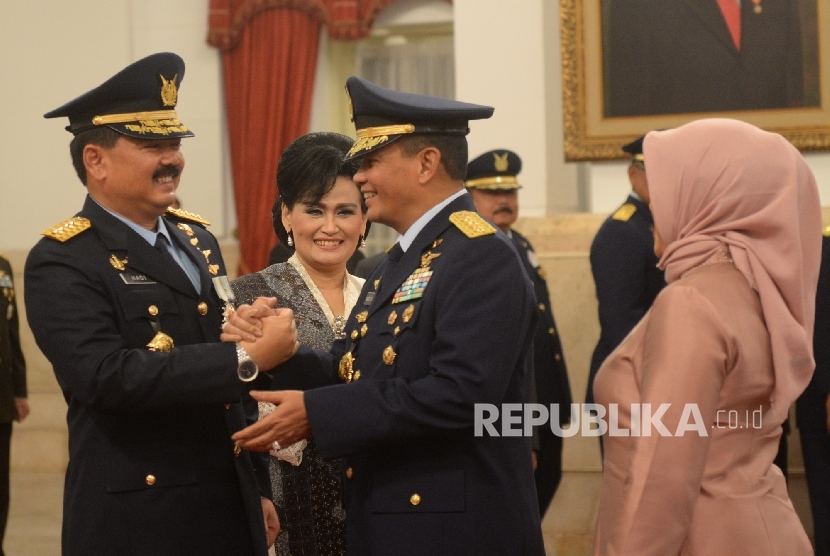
(445, 322)
(624, 265)
(493, 185)
(126, 300)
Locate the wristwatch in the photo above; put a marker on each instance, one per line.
(246, 369)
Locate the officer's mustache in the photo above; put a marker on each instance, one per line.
(167, 170)
(505, 209)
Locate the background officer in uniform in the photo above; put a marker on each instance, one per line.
(13, 404)
(445, 322)
(122, 301)
(492, 184)
(624, 265)
(812, 411)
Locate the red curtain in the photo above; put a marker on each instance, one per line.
(269, 78)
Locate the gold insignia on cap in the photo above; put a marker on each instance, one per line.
(361, 317)
(393, 316)
(67, 229)
(346, 368)
(169, 93)
(471, 224)
(161, 342)
(118, 264)
(407, 313)
(389, 355)
(184, 215)
(625, 212)
(500, 162)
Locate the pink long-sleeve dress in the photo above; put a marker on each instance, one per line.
(704, 349)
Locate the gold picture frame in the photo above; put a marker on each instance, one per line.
(590, 136)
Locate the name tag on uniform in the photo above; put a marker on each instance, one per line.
(133, 279)
(369, 298)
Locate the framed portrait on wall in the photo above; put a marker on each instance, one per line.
(631, 66)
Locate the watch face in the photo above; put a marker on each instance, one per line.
(247, 370)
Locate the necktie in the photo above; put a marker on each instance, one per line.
(164, 247)
(731, 10)
(395, 253)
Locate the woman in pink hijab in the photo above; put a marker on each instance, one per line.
(696, 394)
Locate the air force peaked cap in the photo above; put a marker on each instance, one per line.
(138, 101)
(494, 170)
(635, 149)
(381, 115)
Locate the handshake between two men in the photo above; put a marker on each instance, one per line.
(269, 336)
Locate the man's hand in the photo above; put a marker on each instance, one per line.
(287, 424)
(245, 322)
(272, 521)
(278, 342)
(21, 408)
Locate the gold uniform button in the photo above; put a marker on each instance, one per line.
(153, 310)
(237, 450)
(557, 357)
(202, 308)
(541, 306)
(349, 472)
(552, 331)
(150, 480)
(415, 499)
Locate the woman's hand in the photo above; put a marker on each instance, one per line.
(245, 322)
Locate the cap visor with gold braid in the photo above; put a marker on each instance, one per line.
(138, 101)
(494, 170)
(382, 115)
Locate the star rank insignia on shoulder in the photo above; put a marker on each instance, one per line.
(625, 212)
(185, 215)
(471, 224)
(67, 229)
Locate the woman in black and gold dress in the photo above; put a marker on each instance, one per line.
(321, 214)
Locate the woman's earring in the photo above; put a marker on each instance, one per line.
(290, 241)
(362, 244)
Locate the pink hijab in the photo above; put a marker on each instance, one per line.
(715, 181)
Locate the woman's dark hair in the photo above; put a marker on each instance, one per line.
(307, 170)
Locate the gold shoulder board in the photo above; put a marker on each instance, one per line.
(625, 212)
(184, 215)
(471, 224)
(67, 229)
(826, 231)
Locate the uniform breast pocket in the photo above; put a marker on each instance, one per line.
(418, 491)
(147, 302)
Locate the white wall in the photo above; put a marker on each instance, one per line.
(499, 61)
(52, 51)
